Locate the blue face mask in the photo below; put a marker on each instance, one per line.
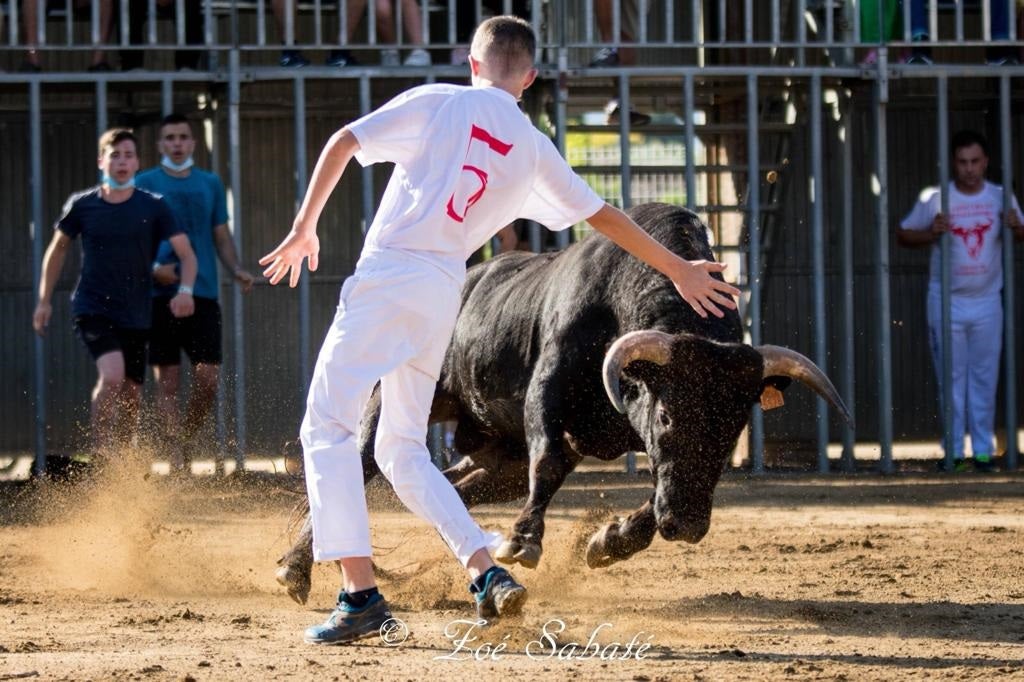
(166, 162)
(114, 184)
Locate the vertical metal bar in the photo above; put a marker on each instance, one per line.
(691, 141)
(907, 28)
(343, 28)
(318, 28)
(959, 12)
(627, 171)
(12, 22)
(398, 22)
(670, 22)
(94, 21)
(748, 21)
(616, 24)
(40, 22)
(364, 108)
(453, 33)
(299, 123)
(150, 22)
(101, 107)
(1010, 7)
(933, 20)
(562, 107)
(261, 24)
(425, 21)
(371, 23)
(801, 31)
(1009, 303)
(884, 349)
(179, 22)
(166, 97)
(209, 132)
(208, 24)
(847, 373)
(35, 135)
(776, 22)
(986, 20)
(69, 27)
(238, 318)
(721, 21)
(124, 38)
(830, 29)
(818, 260)
(947, 329)
(754, 258)
(642, 21)
(695, 13)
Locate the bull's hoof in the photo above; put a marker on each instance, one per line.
(597, 555)
(514, 551)
(295, 580)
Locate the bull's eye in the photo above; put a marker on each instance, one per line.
(663, 417)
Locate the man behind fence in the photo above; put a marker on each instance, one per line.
(975, 222)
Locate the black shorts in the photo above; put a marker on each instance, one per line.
(198, 334)
(101, 336)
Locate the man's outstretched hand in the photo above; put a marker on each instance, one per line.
(286, 259)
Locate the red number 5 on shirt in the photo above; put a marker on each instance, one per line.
(473, 180)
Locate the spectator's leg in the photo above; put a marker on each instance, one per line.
(30, 19)
(385, 21)
(168, 381)
(137, 15)
(194, 35)
(105, 398)
(200, 400)
(289, 56)
(1000, 17)
(985, 343)
(106, 24)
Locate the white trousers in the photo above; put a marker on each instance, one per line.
(393, 324)
(977, 326)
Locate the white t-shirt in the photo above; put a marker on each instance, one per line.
(467, 163)
(975, 225)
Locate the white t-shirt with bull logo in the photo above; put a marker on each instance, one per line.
(976, 238)
(467, 163)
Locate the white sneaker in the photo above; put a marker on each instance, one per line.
(460, 56)
(389, 58)
(418, 57)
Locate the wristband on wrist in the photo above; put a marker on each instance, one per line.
(183, 289)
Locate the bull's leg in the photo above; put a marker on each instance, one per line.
(296, 565)
(618, 541)
(508, 482)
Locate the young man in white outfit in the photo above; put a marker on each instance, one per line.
(467, 163)
(975, 222)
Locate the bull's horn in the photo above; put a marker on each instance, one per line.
(650, 345)
(779, 361)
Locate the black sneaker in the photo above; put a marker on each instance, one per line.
(500, 595)
(606, 56)
(341, 58)
(347, 623)
(1001, 55)
(293, 59)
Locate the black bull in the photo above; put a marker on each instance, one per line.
(535, 338)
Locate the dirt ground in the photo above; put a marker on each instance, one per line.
(842, 578)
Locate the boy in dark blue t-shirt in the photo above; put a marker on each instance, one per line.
(121, 228)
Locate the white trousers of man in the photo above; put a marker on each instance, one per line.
(394, 321)
(977, 327)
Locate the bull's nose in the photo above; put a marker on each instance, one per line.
(672, 529)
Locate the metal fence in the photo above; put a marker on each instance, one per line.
(752, 96)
